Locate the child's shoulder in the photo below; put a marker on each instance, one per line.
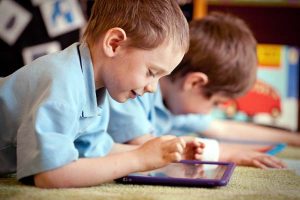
(57, 69)
(62, 63)
(66, 57)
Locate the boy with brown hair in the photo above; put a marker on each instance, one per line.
(220, 64)
(54, 113)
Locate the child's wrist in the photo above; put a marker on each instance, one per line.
(294, 140)
(139, 161)
(135, 159)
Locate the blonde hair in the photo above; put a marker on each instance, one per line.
(147, 23)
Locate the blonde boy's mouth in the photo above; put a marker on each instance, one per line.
(136, 93)
(133, 94)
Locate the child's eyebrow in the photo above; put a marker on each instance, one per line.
(158, 69)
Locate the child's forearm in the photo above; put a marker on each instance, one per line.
(141, 140)
(155, 153)
(90, 171)
(118, 148)
(226, 152)
(245, 131)
(229, 151)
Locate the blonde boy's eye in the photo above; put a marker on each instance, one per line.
(150, 73)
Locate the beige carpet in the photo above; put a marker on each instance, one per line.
(290, 152)
(246, 183)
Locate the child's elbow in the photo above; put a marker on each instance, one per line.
(46, 180)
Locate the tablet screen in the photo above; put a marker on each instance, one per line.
(187, 170)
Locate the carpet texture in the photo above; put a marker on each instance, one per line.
(246, 183)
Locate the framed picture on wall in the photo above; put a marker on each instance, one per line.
(31, 53)
(273, 100)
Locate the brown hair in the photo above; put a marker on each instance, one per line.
(147, 23)
(224, 48)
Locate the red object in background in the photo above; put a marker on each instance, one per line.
(262, 98)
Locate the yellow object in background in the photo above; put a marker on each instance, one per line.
(200, 9)
(269, 55)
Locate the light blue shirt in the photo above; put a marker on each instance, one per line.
(51, 115)
(148, 114)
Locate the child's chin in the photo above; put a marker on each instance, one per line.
(121, 99)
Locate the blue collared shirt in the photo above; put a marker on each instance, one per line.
(148, 114)
(51, 114)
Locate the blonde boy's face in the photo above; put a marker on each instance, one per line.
(134, 72)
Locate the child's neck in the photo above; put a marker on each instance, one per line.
(164, 84)
(96, 60)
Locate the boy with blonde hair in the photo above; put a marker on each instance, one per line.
(220, 64)
(54, 113)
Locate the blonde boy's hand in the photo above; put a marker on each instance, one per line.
(160, 151)
(257, 159)
(194, 148)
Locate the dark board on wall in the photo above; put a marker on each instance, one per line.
(34, 33)
(280, 25)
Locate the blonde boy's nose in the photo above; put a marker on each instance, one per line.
(151, 87)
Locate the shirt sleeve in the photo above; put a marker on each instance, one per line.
(94, 141)
(88, 148)
(130, 119)
(45, 139)
(57, 136)
(191, 123)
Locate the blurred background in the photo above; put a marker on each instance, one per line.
(32, 28)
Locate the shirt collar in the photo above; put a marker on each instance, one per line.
(94, 99)
(159, 102)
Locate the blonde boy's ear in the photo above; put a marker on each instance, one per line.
(112, 41)
(194, 80)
